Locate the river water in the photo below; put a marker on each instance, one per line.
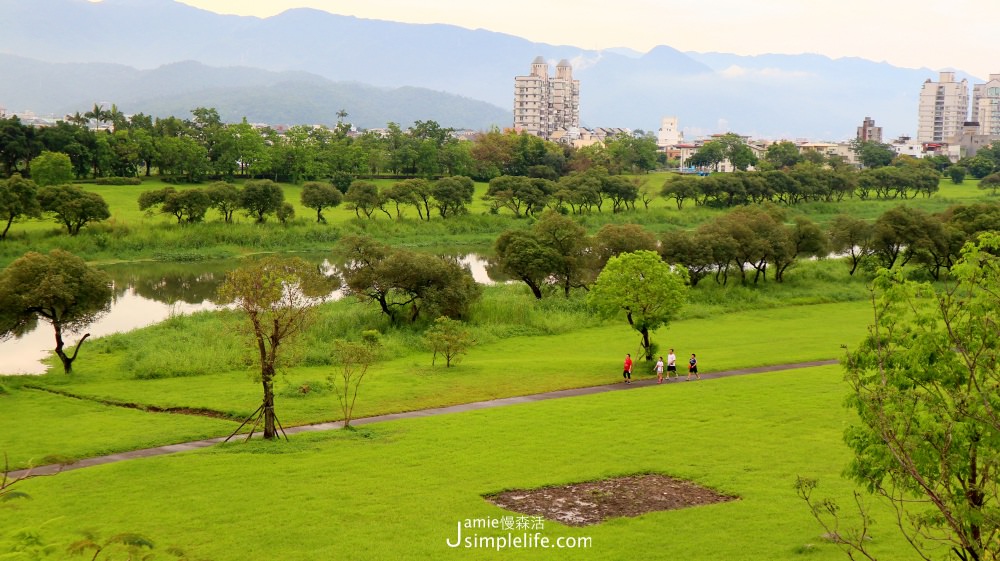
(147, 293)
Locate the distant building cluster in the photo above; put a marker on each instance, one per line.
(946, 122)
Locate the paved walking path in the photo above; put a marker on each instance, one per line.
(489, 404)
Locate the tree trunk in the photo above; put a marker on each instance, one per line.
(267, 380)
(535, 289)
(645, 343)
(67, 361)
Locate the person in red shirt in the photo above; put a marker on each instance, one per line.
(627, 373)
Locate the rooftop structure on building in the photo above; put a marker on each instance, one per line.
(943, 109)
(544, 103)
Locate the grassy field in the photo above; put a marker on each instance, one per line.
(506, 366)
(397, 490)
(131, 234)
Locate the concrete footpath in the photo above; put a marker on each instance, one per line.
(489, 404)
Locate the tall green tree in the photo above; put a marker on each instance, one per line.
(318, 196)
(58, 288)
(923, 384)
(278, 297)
(650, 292)
(261, 198)
(51, 168)
(18, 200)
(73, 207)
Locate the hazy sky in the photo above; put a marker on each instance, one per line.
(936, 34)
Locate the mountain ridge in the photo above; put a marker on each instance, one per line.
(776, 96)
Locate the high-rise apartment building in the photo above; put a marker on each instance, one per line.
(944, 108)
(542, 103)
(868, 131)
(986, 106)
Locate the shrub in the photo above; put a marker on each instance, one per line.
(118, 181)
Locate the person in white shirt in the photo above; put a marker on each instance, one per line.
(671, 365)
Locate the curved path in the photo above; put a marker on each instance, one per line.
(558, 394)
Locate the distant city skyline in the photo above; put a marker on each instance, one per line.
(918, 34)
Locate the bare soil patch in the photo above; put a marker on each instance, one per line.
(592, 502)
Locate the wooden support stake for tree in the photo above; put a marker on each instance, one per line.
(247, 420)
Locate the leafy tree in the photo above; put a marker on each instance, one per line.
(18, 199)
(873, 154)
(72, 206)
(58, 288)
(225, 198)
(681, 189)
(979, 166)
(260, 198)
(519, 193)
(710, 155)
(956, 173)
(405, 283)
(318, 196)
(51, 168)
(783, 154)
(649, 291)
(449, 338)
(15, 145)
(616, 239)
(363, 196)
(523, 255)
(851, 236)
(452, 194)
(285, 212)
(278, 296)
(622, 192)
(808, 240)
(632, 153)
(354, 359)
(189, 205)
(569, 241)
(896, 230)
(923, 383)
(693, 250)
(991, 182)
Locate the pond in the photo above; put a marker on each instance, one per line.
(149, 292)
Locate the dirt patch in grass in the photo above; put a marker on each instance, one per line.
(583, 504)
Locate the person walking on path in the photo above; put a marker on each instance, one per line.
(659, 371)
(627, 372)
(693, 367)
(671, 365)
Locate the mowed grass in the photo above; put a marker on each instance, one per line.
(397, 490)
(507, 366)
(37, 427)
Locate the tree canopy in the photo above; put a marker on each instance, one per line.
(58, 288)
(649, 291)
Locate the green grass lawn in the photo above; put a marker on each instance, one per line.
(396, 490)
(507, 366)
(36, 424)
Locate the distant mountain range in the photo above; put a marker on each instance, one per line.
(778, 96)
(259, 95)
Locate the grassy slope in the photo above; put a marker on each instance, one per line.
(396, 490)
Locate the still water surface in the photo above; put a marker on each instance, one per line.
(147, 293)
